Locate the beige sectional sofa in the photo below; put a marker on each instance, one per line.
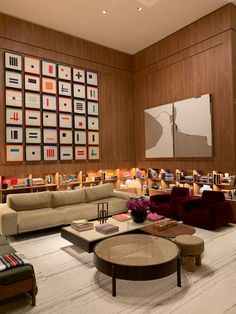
(34, 211)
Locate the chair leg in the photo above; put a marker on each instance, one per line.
(190, 263)
(199, 260)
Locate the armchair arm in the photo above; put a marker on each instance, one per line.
(160, 198)
(223, 209)
(8, 220)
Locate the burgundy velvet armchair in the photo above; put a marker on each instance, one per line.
(211, 211)
(168, 204)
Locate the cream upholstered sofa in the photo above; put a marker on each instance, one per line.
(34, 211)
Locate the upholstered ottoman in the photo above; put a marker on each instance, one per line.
(191, 248)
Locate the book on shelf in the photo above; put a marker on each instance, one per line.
(106, 228)
(121, 217)
(81, 225)
(154, 217)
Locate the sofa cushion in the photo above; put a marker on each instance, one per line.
(78, 211)
(63, 198)
(99, 192)
(29, 201)
(115, 205)
(16, 274)
(39, 219)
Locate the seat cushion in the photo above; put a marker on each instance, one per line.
(63, 198)
(99, 192)
(78, 211)
(39, 219)
(29, 201)
(16, 274)
(115, 205)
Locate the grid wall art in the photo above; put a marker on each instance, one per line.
(52, 111)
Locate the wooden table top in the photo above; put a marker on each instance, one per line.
(136, 250)
(170, 232)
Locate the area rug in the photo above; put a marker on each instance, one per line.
(68, 282)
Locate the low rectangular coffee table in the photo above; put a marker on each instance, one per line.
(87, 239)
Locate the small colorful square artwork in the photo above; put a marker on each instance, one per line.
(65, 104)
(93, 152)
(92, 123)
(92, 78)
(14, 153)
(50, 153)
(78, 75)
(66, 153)
(14, 134)
(64, 88)
(92, 108)
(79, 122)
(49, 69)
(50, 136)
(80, 153)
(64, 72)
(79, 106)
(33, 135)
(32, 100)
(33, 153)
(13, 79)
(65, 120)
(92, 93)
(93, 138)
(49, 85)
(79, 91)
(65, 136)
(80, 137)
(49, 119)
(32, 117)
(13, 98)
(13, 116)
(32, 83)
(49, 102)
(32, 65)
(13, 61)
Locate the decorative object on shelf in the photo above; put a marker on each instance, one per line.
(205, 187)
(138, 207)
(102, 212)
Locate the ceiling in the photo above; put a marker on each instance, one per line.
(123, 27)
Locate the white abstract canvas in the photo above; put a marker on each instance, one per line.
(32, 100)
(33, 153)
(14, 134)
(33, 135)
(13, 98)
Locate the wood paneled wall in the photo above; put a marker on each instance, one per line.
(194, 61)
(115, 93)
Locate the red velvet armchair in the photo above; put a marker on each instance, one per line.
(168, 204)
(211, 211)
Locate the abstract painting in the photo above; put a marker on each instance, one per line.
(78, 75)
(13, 79)
(13, 116)
(80, 153)
(66, 153)
(14, 153)
(32, 83)
(14, 134)
(13, 61)
(33, 135)
(33, 153)
(32, 65)
(13, 98)
(50, 153)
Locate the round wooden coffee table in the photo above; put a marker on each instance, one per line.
(137, 257)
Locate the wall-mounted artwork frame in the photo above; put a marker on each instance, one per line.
(13, 61)
(32, 65)
(33, 153)
(180, 129)
(14, 153)
(48, 110)
(13, 98)
(14, 134)
(13, 79)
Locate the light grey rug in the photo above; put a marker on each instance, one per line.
(69, 283)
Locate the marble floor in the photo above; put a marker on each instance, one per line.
(68, 282)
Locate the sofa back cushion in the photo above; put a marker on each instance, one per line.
(29, 201)
(63, 198)
(99, 192)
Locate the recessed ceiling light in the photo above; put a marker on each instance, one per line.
(104, 11)
(139, 9)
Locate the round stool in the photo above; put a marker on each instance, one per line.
(191, 248)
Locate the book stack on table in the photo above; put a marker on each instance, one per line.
(106, 228)
(82, 225)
